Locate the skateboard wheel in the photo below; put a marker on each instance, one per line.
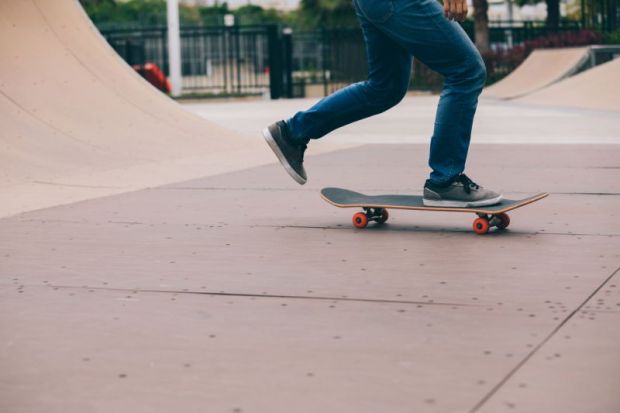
(481, 226)
(504, 220)
(384, 216)
(360, 220)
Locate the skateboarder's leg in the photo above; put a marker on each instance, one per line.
(420, 27)
(389, 70)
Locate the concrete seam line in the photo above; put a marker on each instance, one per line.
(282, 296)
(515, 369)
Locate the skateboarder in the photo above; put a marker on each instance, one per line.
(395, 31)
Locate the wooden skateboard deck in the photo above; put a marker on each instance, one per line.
(375, 207)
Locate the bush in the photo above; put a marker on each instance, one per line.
(612, 38)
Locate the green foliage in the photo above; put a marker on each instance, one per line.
(612, 37)
(213, 15)
(312, 14)
(328, 14)
(251, 14)
(109, 13)
(188, 16)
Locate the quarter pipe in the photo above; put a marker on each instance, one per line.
(596, 88)
(78, 123)
(542, 68)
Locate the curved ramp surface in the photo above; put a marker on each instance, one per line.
(597, 88)
(542, 68)
(78, 123)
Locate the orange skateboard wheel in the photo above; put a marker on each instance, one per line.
(481, 226)
(360, 220)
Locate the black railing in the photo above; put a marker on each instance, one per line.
(329, 59)
(139, 46)
(506, 33)
(601, 15)
(215, 60)
(242, 60)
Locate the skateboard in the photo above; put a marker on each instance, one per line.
(376, 207)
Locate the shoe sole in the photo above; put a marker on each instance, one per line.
(461, 204)
(287, 166)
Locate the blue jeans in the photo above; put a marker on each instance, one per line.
(395, 31)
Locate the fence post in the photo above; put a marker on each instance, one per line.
(287, 47)
(582, 9)
(527, 30)
(275, 61)
(237, 33)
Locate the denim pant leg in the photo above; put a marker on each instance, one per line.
(421, 28)
(389, 71)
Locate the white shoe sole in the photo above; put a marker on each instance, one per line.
(276, 149)
(461, 204)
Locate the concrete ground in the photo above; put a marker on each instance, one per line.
(244, 292)
(411, 121)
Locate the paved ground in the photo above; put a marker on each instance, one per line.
(412, 122)
(244, 292)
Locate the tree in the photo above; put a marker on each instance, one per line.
(481, 25)
(213, 15)
(553, 11)
(553, 14)
(329, 14)
(143, 13)
(252, 14)
(148, 13)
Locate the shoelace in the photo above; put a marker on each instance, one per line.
(468, 184)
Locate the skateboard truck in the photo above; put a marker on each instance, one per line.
(361, 219)
(484, 222)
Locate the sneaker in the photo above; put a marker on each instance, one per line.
(458, 192)
(289, 153)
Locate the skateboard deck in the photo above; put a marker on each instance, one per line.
(375, 207)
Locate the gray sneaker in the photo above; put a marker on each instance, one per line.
(289, 153)
(460, 192)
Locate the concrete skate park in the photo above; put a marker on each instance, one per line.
(155, 257)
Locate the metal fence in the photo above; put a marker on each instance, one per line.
(601, 15)
(508, 33)
(328, 59)
(250, 59)
(242, 60)
(216, 60)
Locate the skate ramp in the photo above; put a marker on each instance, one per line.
(542, 68)
(597, 88)
(78, 123)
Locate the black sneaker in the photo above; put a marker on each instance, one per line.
(459, 192)
(289, 153)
